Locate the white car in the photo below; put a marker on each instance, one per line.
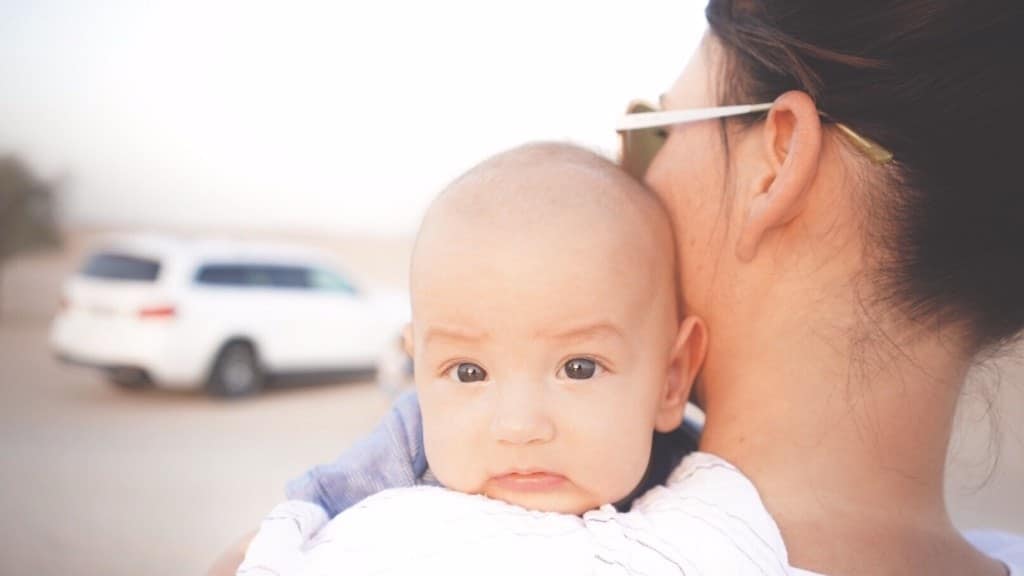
(221, 315)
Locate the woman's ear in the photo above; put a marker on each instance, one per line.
(687, 358)
(792, 143)
(407, 342)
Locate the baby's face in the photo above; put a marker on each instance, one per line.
(543, 349)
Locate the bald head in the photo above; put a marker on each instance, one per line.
(553, 194)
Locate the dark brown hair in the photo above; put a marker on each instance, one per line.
(938, 83)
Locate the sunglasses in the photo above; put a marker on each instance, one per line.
(643, 132)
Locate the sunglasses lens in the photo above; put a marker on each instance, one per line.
(640, 146)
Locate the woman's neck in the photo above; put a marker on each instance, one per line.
(845, 438)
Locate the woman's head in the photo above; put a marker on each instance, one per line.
(931, 238)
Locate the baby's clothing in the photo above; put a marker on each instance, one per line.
(707, 519)
(391, 456)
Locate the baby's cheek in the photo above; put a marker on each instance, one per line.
(449, 457)
(633, 473)
(619, 466)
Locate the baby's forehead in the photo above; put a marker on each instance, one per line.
(550, 226)
(545, 185)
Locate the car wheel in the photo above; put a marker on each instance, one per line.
(236, 371)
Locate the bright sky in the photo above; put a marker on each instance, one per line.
(341, 116)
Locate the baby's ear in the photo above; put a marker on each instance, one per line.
(687, 358)
(407, 342)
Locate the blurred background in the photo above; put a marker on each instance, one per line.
(262, 166)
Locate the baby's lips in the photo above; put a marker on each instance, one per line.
(529, 481)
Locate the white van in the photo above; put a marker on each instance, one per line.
(226, 316)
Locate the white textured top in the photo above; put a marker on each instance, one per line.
(708, 519)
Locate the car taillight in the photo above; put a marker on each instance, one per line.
(157, 312)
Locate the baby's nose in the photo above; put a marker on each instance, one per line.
(520, 415)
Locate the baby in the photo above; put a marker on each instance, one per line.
(546, 338)
(549, 349)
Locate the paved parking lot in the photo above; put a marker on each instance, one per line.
(95, 480)
(101, 481)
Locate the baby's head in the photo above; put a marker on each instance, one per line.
(547, 339)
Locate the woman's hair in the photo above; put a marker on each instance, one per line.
(939, 84)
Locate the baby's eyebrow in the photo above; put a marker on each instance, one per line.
(453, 333)
(584, 331)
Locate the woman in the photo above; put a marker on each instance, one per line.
(848, 295)
(852, 250)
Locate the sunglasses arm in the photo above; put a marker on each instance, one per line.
(661, 118)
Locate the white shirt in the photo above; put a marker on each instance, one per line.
(708, 519)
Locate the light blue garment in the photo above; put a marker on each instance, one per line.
(1003, 546)
(391, 456)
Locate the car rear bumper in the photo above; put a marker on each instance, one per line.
(123, 343)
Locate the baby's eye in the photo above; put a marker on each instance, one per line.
(467, 372)
(579, 369)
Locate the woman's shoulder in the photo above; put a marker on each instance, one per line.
(419, 517)
(708, 519)
(712, 515)
(709, 480)
(433, 530)
(418, 508)
(711, 487)
(1003, 546)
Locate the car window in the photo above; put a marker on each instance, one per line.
(113, 266)
(222, 275)
(326, 280)
(254, 275)
(288, 276)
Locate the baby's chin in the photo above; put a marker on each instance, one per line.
(565, 501)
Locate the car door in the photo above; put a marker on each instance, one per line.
(237, 299)
(342, 328)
